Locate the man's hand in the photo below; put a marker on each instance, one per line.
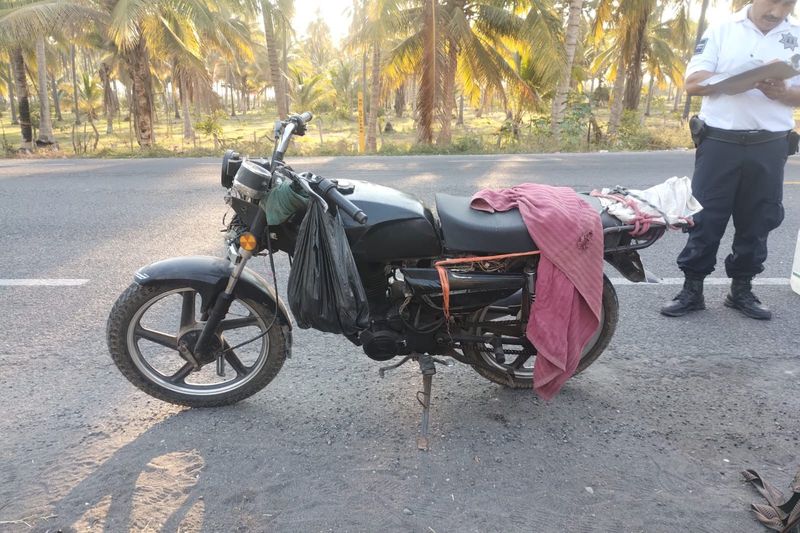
(773, 89)
(780, 91)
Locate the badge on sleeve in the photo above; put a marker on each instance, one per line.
(788, 41)
(701, 45)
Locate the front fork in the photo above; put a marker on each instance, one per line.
(220, 309)
(225, 299)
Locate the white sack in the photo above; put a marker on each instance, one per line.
(673, 199)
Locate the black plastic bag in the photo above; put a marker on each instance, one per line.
(325, 290)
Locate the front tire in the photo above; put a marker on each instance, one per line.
(518, 374)
(148, 323)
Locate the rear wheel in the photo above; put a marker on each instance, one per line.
(148, 324)
(517, 370)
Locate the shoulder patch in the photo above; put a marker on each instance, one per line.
(701, 45)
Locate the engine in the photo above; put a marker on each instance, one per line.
(399, 326)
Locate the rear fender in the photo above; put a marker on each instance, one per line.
(629, 264)
(209, 276)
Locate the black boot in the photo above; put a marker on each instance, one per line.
(743, 299)
(689, 299)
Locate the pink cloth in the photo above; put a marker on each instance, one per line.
(569, 280)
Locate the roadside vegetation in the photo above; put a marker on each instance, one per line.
(135, 78)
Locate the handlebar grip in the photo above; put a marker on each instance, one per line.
(329, 191)
(306, 117)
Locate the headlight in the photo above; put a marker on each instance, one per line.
(251, 181)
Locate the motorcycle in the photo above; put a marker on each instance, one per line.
(209, 331)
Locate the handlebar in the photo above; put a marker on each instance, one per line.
(305, 117)
(294, 125)
(329, 191)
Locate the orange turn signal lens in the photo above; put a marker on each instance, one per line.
(248, 241)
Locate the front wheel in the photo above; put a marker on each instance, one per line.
(517, 371)
(148, 324)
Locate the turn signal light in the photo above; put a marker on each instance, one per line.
(248, 241)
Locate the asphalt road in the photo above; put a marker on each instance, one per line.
(651, 438)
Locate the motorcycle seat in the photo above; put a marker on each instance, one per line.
(468, 230)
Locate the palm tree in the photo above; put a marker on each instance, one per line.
(269, 11)
(307, 92)
(343, 79)
(571, 38)
(381, 21)
(628, 44)
(45, 122)
(91, 102)
(430, 81)
(8, 77)
(473, 40)
(22, 21)
(18, 67)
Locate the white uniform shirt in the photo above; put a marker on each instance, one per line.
(728, 45)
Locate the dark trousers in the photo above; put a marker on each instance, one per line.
(743, 181)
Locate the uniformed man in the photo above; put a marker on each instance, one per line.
(742, 150)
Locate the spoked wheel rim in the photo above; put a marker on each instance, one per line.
(518, 365)
(154, 350)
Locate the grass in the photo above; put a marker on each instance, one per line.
(329, 135)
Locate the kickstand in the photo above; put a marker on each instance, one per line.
(428, 369)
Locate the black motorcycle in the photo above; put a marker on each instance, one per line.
(207, 331)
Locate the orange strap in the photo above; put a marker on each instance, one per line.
(444, 280)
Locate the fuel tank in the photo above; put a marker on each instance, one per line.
(398, 227)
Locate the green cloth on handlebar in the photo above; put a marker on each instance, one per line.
(282, 202)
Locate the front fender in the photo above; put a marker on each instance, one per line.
(209, 276)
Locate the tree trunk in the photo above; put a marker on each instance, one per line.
(460, 121)
(481, 105)
(364, 91)
(110, 101)
(56, 103)
(678, 95)
(96, 133)
(138, 64)
(649, 97)
(571, 38)
(285, 69)
(274, 65)
(174, 87)
(45, 122)
(11, 98)
(74, 86)
(426, 97)
(188, 131)
(372, 122)
(633, 83)
(446, 116)
(618, 97)
(400, 101)
(18, 64)
(230, 90)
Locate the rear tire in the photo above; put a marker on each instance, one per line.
(124, 326)
(487, 366)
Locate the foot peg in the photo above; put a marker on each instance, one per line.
(384, 369)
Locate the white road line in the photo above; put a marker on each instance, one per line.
(43, 282)
(708, 281)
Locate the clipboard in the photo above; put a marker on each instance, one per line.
(738, 82)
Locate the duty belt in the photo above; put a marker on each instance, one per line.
(744, 136)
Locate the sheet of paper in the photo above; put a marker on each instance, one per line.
(746, 75)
